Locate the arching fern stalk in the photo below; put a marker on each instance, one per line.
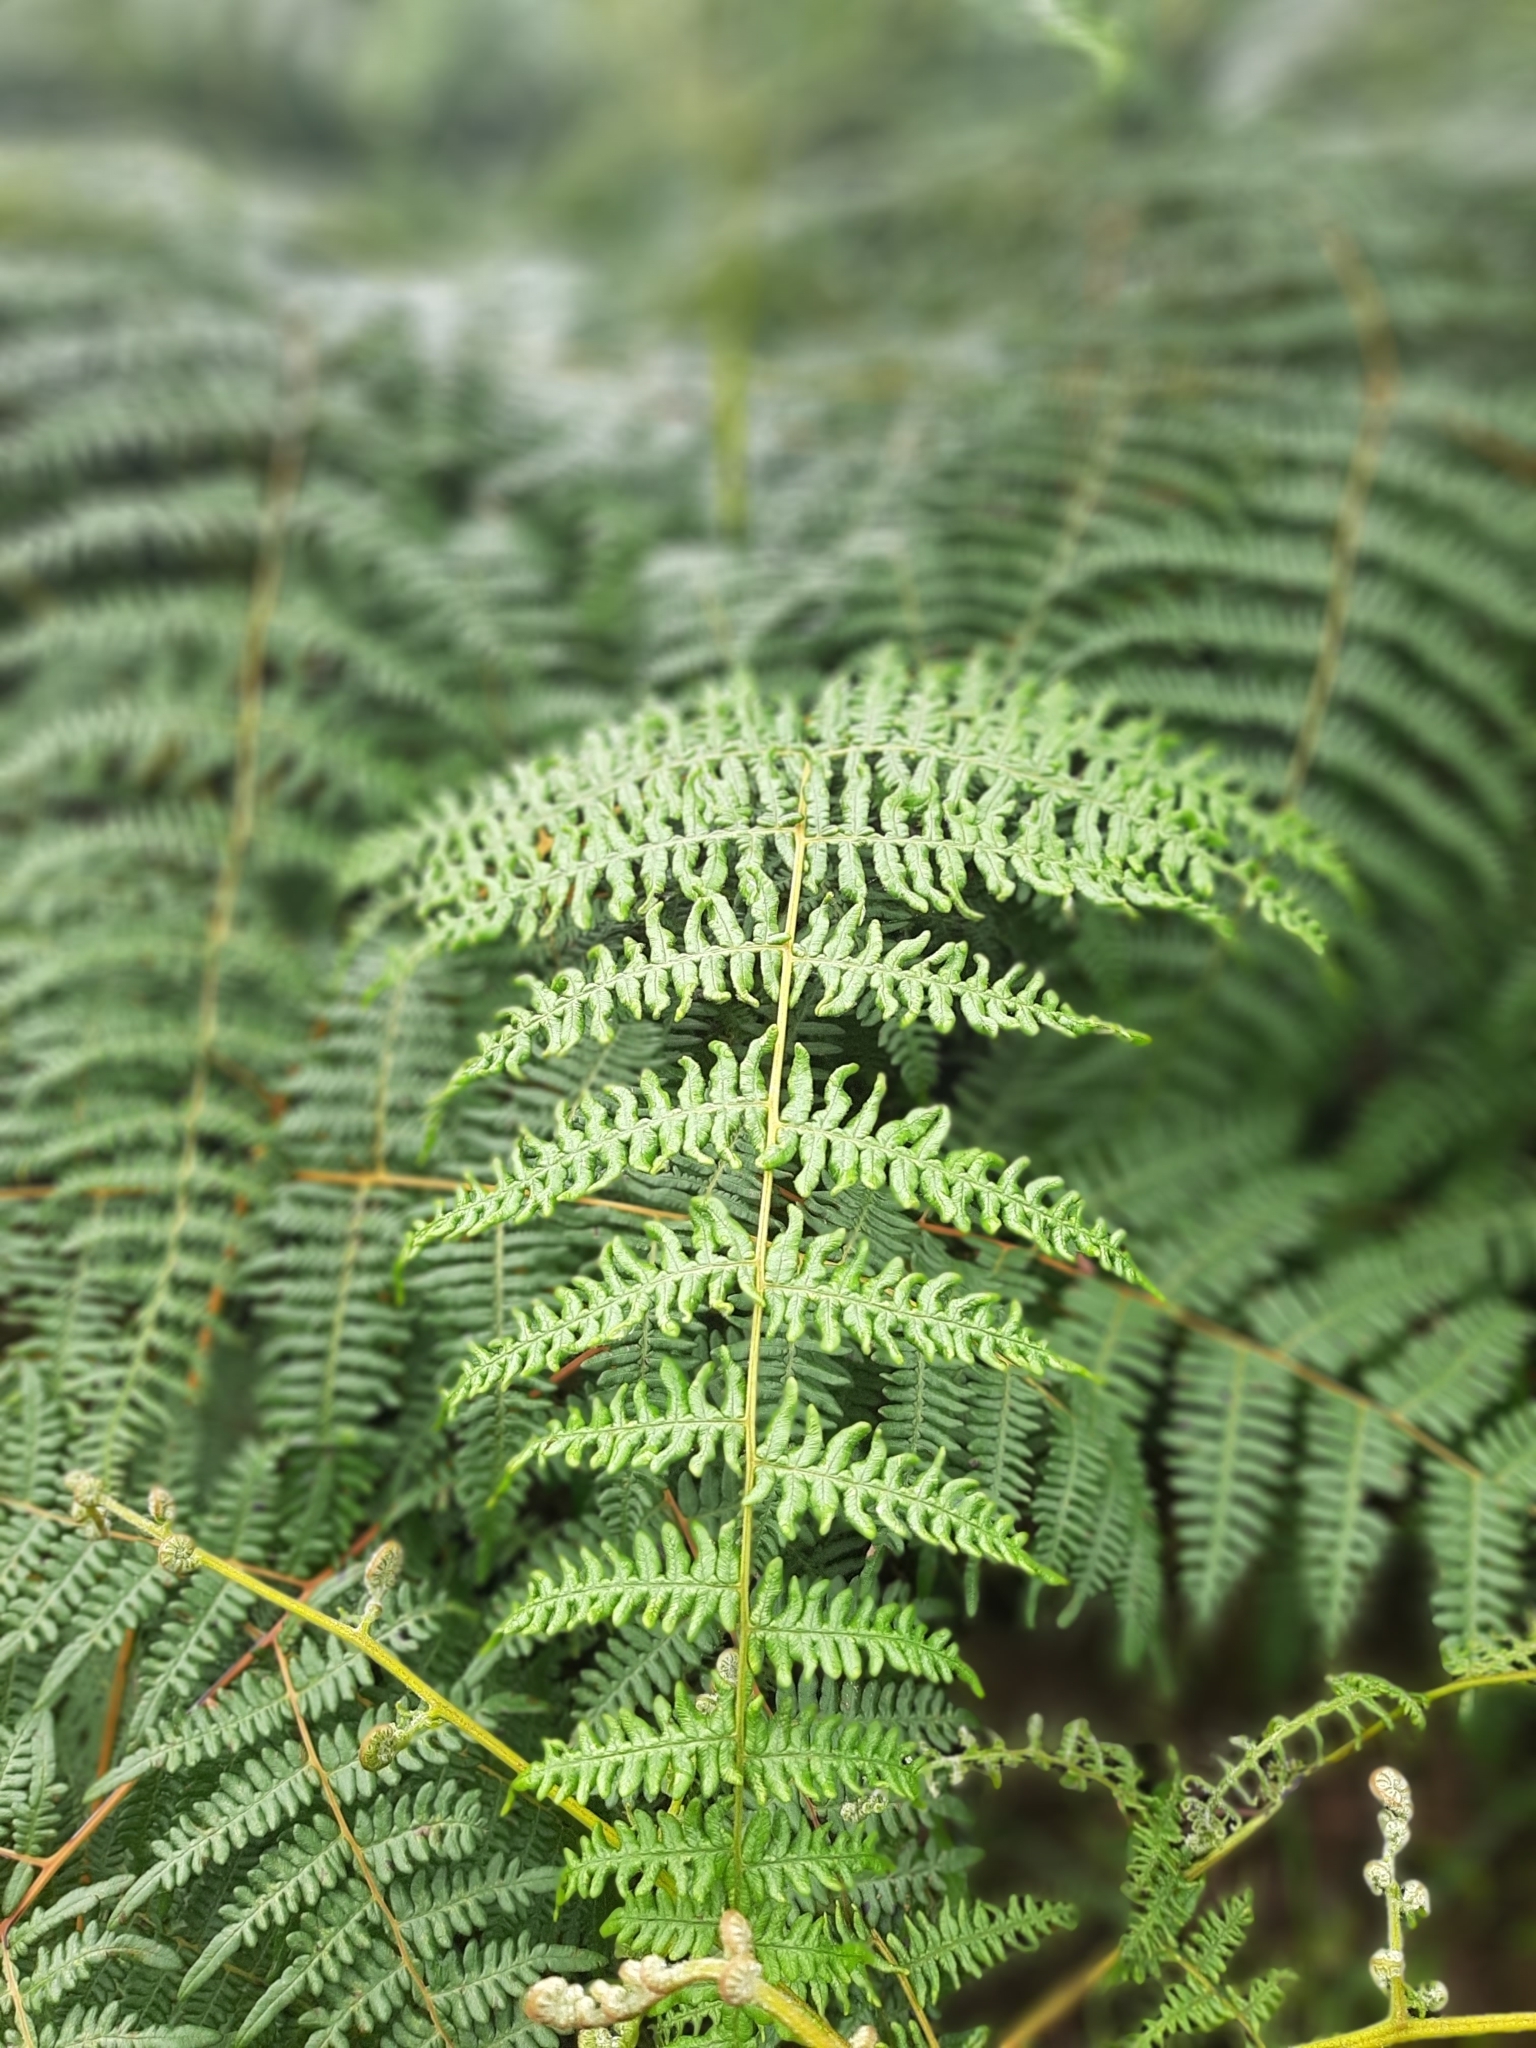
(766, 1347)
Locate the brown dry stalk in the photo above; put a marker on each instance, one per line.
(375, 1892)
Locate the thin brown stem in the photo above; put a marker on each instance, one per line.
(115, 1697)
(51, 1865)
(1373, 327)
(375, 1892)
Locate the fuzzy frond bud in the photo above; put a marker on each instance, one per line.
(625, 2035)
(87, 1494)
(1395, 1832)
(1385, 1967)
(162, 1505)
(643, 1980)
(380, 1746)
(1378, 1876)
(1426, 1999)
(1416, 1898)
(384, 1568)
(86, 1490)
(741, 1980)
(1391, 1788)
(735, 1934)
(177, 1554)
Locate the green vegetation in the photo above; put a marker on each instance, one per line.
(767, 997)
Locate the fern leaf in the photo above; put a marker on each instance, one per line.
(664, 1586)
(686, 1746)
(1352, 1458)
(1478, 1527)
(969, 1937)
(634, 1429)
(814, 1284)
(876, 1489)
(1227, 1440)
(970, 787)
(784, 1861)
(720, 1117)
(843, 1629)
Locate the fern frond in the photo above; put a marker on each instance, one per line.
(787, 1860)
(843, 1629)
(665, 1586)
(1227, 1442)
(1035, 791)
(853, 1475)
(815, 1285)
(686, 1745)
(969, 1937)
(1478, 1524)
(721, 1116)
(714, 958)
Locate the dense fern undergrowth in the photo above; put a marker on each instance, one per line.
(978, 1052)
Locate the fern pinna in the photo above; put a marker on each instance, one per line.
(750, 1367)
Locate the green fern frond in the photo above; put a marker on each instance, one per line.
(842, 1629)
(967, 1938)
(816, 1285)
(968, 788)
(686, 1745)
(663, 1585)
(691, 1848)
(721, 1117)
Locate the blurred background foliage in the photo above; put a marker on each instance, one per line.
(769, 329)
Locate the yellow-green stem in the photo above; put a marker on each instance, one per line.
(791, 2017)
(1058, 2003)
(755, 1337)
(1444, 2027)
(360, 1640)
